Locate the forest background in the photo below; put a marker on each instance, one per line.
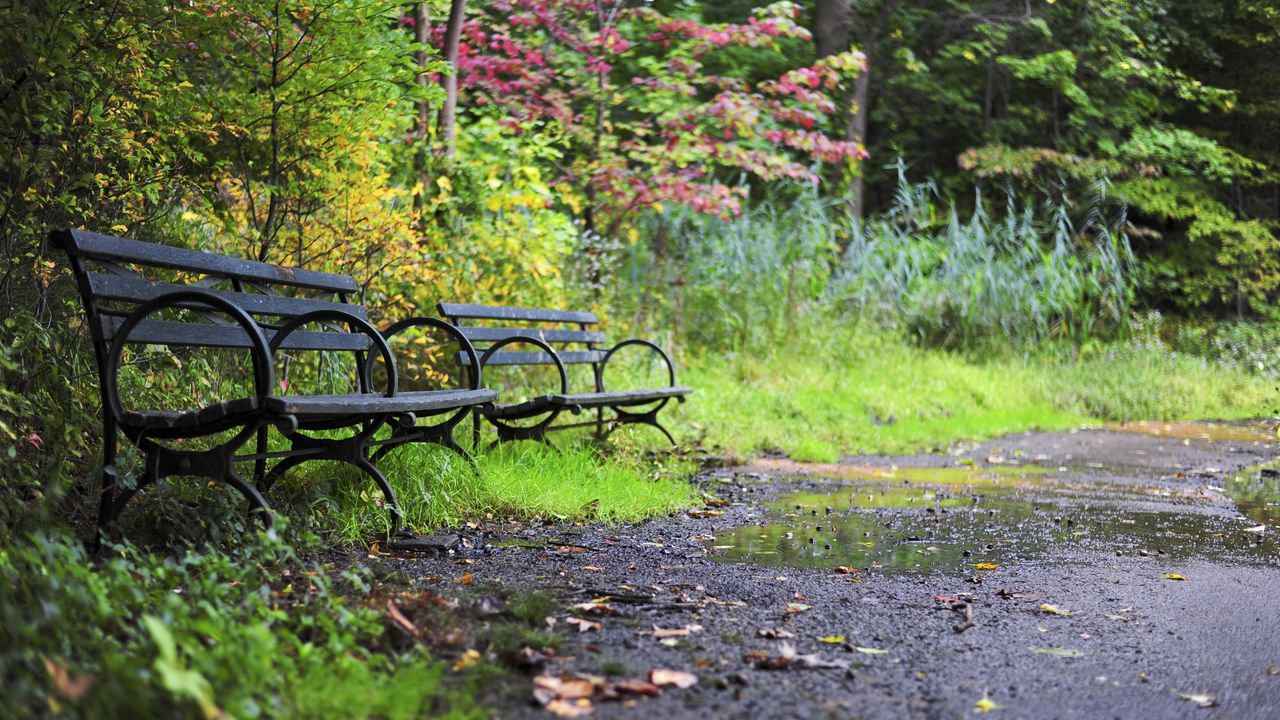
(971, 217)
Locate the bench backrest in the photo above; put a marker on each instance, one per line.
(115, 275)
(567, 329)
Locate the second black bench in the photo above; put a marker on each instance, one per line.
(578, 343)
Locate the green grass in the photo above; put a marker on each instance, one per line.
(876, 394)
(869, 395)
(519, 481)
(1132, 383)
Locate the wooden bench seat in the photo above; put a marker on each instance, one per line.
(226, 302)
(560, 338)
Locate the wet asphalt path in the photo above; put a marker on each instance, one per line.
(1164, 604)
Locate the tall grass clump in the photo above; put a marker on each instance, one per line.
(1005, 274)
(1029, 272)
(732, 284)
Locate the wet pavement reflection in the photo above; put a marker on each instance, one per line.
(971, 519)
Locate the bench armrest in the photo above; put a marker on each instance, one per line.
(263, 372)
(358, 323)
(453, 331)
(671, 369)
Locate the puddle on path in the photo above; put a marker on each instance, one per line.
(1243, 431)
(956, 519)
(1257, 493)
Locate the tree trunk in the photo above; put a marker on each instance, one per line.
(857, 132)
(457, 12)
(834, 23)
(831, 23)
(421, 35)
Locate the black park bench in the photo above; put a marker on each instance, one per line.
(578, 343)
(226, 302)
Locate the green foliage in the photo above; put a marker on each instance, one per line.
(244, 631)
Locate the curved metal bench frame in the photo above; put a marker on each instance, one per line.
(547, 408)
(113, 292)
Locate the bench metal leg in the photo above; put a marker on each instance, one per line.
(350, 450)
(160, 462)
(110, 476)
(280, 469)
(388, 493)
(440, 434)
(649, 418)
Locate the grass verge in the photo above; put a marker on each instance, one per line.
(876, 394)
(518, 481)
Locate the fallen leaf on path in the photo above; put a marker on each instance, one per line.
(551, 687)
(986, 704)
(872, 651)
(986, 566)
(948, 599)
(793, 608)
(775, 633)
(594, 608)
(705, 513)
(1055, 610)
(1116, 616)
(1017, 595)
(637, 687)
(846, 570)
(1173, 576)
(1203, 700)
(591, 568)
(1256, 529)
(564, 708)
(832, 639)
(1058, 652)
(1273, 670)
(583, 624)
(679, 678)
(787, 652)
(661, 632)
(466, 579)
(569, 549)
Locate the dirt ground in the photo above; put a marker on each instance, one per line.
(1089, 574)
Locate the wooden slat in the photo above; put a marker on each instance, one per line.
(620, 397)
(498, 312)
(311, 406)
(105, 247)
(115, 287)
(492, 335)
(537, 358)
(164, 332)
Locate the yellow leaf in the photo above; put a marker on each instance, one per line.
(986, 566)
(986, 704)
(1173, 576)
(1054, 609)
(832, 639)
(444, 183)
(871, 651)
